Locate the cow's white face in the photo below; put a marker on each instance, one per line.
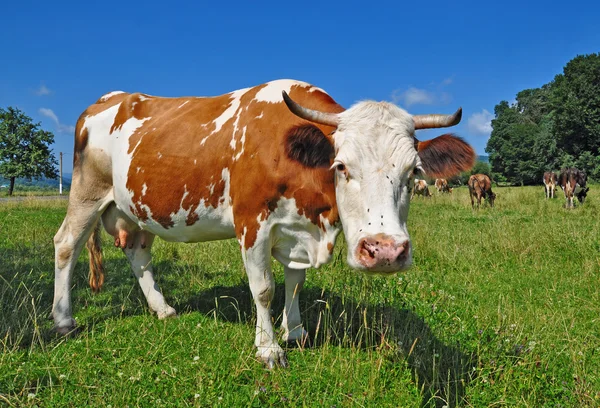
(374, 162)
(376, 155)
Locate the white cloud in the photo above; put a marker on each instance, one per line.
(43, 90)
(60, 127)
(416, 96)
(480, 123)
(447, 81)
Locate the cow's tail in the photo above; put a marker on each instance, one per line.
(95, 255)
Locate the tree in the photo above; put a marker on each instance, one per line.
(576, 103)
(24, 148)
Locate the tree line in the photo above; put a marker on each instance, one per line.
(549, 128)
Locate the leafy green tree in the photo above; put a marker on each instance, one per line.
(576, 106)
(24, 148)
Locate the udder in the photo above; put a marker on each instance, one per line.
(125, 232)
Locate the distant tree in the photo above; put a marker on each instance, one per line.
(24, 148)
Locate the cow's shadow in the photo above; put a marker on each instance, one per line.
(441, 370)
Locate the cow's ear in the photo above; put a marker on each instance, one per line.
(308, 145)
(445, 156)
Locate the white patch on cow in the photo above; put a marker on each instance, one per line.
(271, 93)
(143, 98)
(242, 142)
(259, 116)
(144, 188)
(194, 161)
(109, 95)
(234, 104)
(159, 154)
(181, 215)
(203, 141)
(181, 106)
(297, 242)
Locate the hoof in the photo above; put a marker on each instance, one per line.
(66, 327)
(297, 338)
(272, 357)
(169, 312)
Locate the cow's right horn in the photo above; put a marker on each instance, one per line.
(312, 115)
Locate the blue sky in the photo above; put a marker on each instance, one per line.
(428, 57)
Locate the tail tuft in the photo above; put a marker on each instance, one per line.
(96, 265)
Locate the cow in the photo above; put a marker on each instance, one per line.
(441, 185)
(480, 186)
(281, 167)
(573, 183)
(420, 188)
(550, 181)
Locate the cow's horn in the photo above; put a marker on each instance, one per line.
(437, 121)
(316, 116)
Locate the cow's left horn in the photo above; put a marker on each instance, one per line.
(437, 121)
(312, 115)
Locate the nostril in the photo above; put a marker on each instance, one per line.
(403, 251)
(366, 249)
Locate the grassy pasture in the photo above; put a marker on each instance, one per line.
(502, 308)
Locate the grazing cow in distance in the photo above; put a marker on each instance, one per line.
(281, 167)
(573, 183)
(550, 181)
(441, 185)
(420, 188)
(480, 186)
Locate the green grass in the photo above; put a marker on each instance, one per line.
(502, 308)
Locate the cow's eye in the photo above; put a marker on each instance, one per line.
(341, 168)
(416, 172)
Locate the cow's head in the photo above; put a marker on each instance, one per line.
(582, 194)
(376, 156)
(491, 198)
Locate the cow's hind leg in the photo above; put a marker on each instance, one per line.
(82, 217)
(138, 251)
(292, 323)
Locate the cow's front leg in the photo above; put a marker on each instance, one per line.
(262, 285)
(292, 322)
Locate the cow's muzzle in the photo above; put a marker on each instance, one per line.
(382, 253)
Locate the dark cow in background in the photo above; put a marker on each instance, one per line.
(420, 188)
(550, 181)
(573, 183)
(442, 186)
(480, 186)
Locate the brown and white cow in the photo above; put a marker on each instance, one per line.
(550, 181)
(282, 175)
(442, 186)
(480, 186)
(420, 188)
(573, 183)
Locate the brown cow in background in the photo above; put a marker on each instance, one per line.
(550, 182)
(442, 186)
(480, 186)
(420, 188)
(573, 183)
